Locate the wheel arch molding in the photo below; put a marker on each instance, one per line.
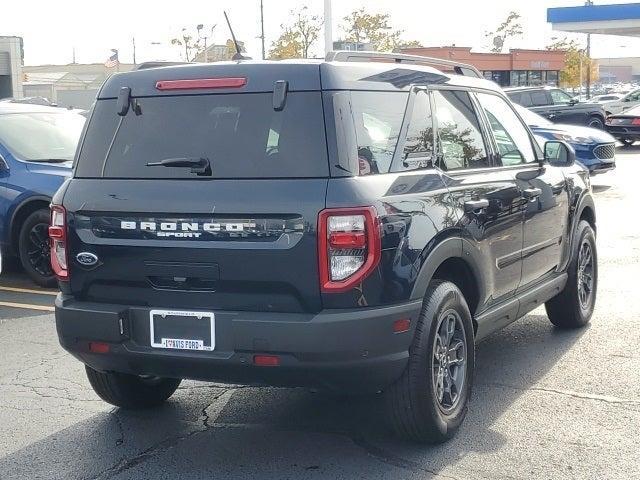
(20, 212)
(452, 251)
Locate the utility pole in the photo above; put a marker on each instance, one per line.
(262, 29)
(588, 3)
(328, 32)
(133, 41)
(74, 55)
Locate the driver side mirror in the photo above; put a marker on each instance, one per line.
(574, 100)
(559, 153)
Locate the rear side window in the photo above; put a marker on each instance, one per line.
(377, 119)
(241, 135)
(459, 135)
(539, 99)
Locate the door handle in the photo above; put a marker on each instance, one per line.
(475, 206)
(532, 193)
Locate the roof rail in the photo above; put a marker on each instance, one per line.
(355, 56)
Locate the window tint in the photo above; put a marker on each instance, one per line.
(241, 135)
(539, 99)
(512, 138)
(459, 135)
(418, 147)
(559, 97)
(377, 119)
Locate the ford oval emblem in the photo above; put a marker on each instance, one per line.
(87, 259)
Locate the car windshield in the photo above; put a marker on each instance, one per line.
(41, 136)
(531, 118)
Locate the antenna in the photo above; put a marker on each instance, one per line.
(238, 55)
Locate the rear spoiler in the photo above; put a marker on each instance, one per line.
(146, 65)
(353, 56)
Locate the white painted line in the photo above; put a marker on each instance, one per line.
(28, 290)
(26, 306)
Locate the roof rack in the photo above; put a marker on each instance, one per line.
(355, 56)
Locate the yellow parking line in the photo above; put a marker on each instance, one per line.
(27, 290)
(28, 306)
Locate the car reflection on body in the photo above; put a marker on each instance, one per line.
(595, 149)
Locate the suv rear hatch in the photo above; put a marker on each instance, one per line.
(240, 237)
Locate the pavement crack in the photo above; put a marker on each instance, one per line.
(392, 459)
(209, 414)
(570, 393)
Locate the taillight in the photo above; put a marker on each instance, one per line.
(348, 247)
(635, 121)
(58, 237)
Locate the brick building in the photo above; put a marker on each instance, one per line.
(516, 68)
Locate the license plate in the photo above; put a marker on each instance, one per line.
(182, 330)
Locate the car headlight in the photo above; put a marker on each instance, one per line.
(571, 138)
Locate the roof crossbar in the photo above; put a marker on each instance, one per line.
(355, 56)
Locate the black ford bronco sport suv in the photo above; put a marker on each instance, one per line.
(348, 224)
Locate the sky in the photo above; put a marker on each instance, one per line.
(52, 29)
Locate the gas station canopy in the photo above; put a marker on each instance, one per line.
(620, 19)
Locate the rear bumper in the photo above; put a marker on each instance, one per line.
(345, 350)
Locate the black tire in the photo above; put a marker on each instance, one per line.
(33, 248)
(596, 122)
(414, 408)
(627, 142)
(568, 309)
(130, 391)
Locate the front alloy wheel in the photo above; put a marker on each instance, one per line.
(585, 274)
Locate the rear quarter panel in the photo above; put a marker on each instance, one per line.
(415, 216)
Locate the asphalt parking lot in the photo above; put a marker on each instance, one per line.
(546, 403)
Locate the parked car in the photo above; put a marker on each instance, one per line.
(607, 97)
(595, 149)
(626, 102)
(558, 106)
(37, 145)
(345, 225)
(625, 126)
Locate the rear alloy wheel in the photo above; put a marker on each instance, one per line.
(596, 122)
(131, 391)
(573, 307)
(429, 401)
(34, 248)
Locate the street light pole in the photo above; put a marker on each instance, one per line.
(588, 3)
(262, 29)
(328, 32)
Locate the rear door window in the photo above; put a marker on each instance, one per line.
(511, 136)
(241, 135)
(459, 135)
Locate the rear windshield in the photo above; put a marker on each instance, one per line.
(241, 135)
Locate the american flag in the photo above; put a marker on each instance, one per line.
(112, 61)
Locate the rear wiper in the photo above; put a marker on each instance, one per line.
(199, 166)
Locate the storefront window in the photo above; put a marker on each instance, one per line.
(535, 77)
(552, 78)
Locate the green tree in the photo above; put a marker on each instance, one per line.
(362, 27)
(298, 37)
(510, 28)
(191, 46)
(577, 62)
